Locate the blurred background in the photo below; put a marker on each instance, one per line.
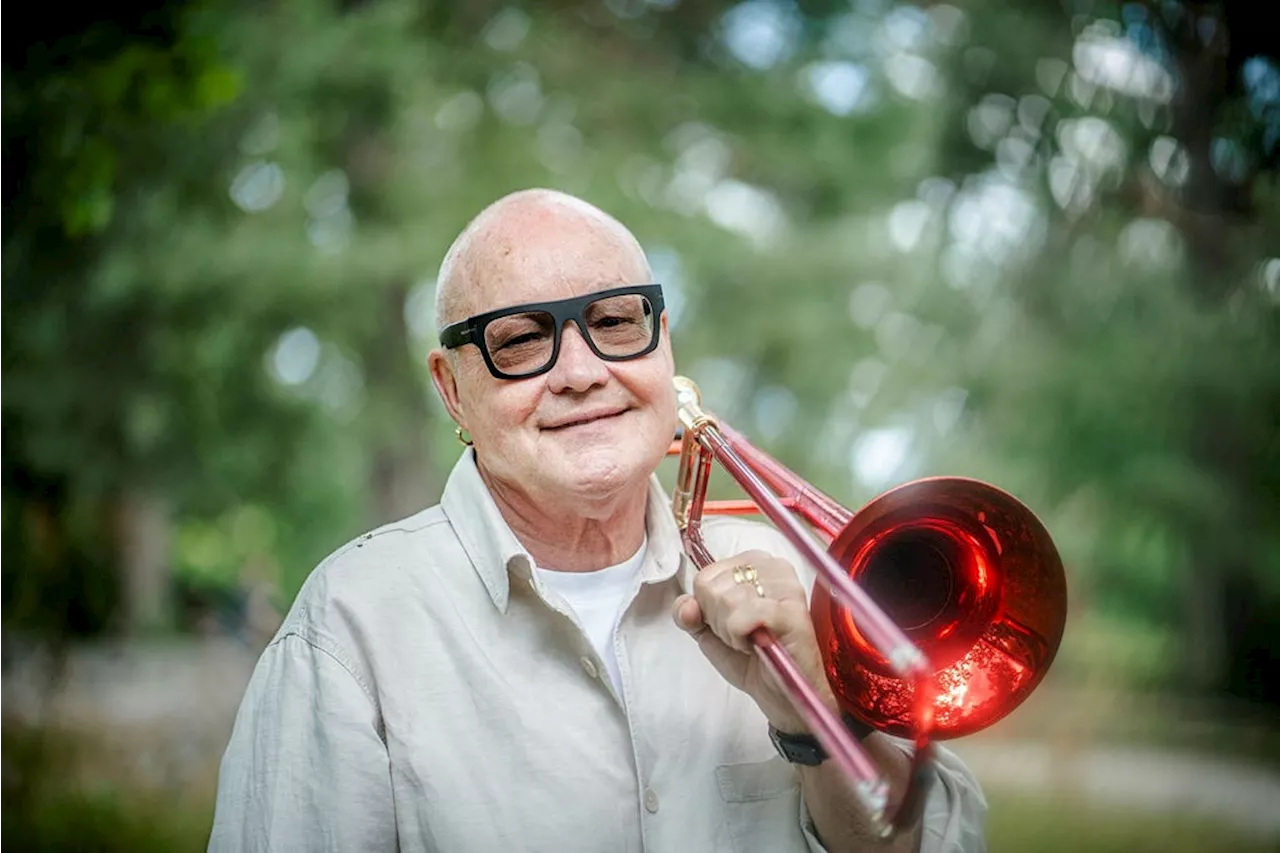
(1036, 243)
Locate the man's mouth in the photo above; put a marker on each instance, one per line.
(586, 418)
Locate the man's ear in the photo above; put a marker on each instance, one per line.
(446, 382)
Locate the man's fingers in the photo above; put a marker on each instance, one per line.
(688, 615)
(775, 576)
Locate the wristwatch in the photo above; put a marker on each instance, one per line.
(804, 749)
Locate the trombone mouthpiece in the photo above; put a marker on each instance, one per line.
(687, 393)
(689, 406)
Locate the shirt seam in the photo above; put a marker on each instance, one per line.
(335, 655)
(399, 527)
(334, 563)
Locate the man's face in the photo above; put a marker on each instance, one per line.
(586, 430)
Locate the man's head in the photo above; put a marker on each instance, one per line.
(587, 430)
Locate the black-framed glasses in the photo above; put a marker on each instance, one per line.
(524, 340)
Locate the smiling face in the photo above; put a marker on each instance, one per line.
(587, 431)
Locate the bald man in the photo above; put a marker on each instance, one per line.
(534, 664)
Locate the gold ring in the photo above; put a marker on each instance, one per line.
(747, 573)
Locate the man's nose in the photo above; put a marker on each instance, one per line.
(577, 368)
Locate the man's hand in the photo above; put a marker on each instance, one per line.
(723, 612)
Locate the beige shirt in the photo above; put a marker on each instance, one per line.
(427, 693)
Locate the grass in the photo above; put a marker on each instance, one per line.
(1023, 824)
(102, 822)
(50, 805)
(106, 822)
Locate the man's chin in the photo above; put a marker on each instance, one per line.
(599, 478)
(603, 467)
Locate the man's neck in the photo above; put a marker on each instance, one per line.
(574, 539)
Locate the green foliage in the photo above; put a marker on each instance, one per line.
(208, 273)
(82, 98)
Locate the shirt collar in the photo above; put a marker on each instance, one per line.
(496, 554)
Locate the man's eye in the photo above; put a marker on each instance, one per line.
(518, 340)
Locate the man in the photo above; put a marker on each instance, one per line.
(505, 671)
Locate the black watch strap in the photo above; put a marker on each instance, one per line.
(804, 749)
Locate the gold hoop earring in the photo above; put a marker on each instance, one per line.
(464, 439)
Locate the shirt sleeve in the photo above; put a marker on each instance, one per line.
(306, 768)
(955, 811)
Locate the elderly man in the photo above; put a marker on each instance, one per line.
(534, 664)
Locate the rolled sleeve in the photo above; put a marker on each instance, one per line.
(306, 767)
(955, 810)
(955, 813)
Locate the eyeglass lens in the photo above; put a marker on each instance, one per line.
(619, 327)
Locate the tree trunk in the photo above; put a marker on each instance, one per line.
(144, 531)
(402, 477)
(1203, 57)
(1205, 636)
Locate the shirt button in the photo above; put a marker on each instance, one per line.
(589, 667)
(650, 801)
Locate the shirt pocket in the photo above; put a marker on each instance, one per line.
(762, 805)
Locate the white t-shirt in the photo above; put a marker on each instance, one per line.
(598, 599)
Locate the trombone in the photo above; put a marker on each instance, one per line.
(939, 605)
